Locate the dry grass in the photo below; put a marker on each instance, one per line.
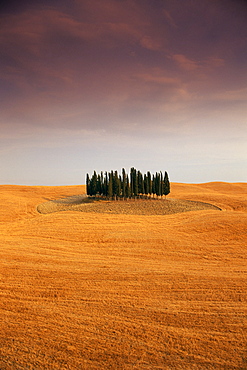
(151, 206)
(90, 290)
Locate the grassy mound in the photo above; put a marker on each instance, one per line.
(81, 203)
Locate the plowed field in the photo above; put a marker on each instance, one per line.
(152, 284)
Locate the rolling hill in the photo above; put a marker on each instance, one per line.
(100, 289)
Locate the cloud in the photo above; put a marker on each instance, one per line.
(239, 95)
(185, 63)
(169, 18)
(95, 63)
(214, 62)
(191, 65)
(158, 76)
(48, 44)
(119, 21)
(150, 43)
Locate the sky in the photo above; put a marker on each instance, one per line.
(159, 85)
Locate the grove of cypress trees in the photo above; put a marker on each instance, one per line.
(111, 185)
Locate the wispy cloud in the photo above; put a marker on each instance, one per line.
(202, 66)
(235, 96)
(158, 76)
(185, 63)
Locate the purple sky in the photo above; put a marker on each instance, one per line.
(104, 84)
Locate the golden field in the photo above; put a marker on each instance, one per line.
(95, 290)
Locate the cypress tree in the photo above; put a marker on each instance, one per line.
(153, 185)
(101, 184)
(146, 189)
(157, 184)
(115, 185)
(94, 184)
(135, 183)
(98, 187)
(123, 183)
(88, 185)
(128, 189)
(166, 190)
(131, 182)
(149, 180)
(106, 184)
(110, 185)
(119, 186)
(140, 183)
(161, 185)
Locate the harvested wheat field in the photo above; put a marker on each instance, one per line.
(152, 284)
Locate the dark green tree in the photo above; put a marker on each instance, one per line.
(166, 190)
(123, 183)
(105, 185)
(116, 185)
(128, 189)
(157, 184)
(153, 185)
(99, 185)
(110, 185)
(140, 183)
(146, 188)
(135, 184)
(102, 183)
(93, 184)
(161, 185)
(132, 175)
(149, 180)
(88, 190)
